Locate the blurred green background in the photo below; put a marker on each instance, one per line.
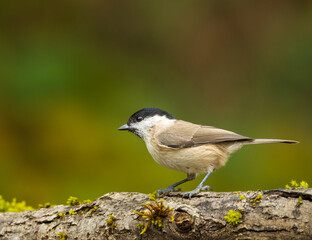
(72, 72)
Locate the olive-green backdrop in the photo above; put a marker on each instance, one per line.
(72, 72)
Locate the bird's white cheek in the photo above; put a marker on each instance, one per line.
(144, 135)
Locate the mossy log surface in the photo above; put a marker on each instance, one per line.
(278, 215)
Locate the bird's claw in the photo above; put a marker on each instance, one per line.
(195, 191)
(166, 190)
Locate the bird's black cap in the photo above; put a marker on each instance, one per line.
(148, 112)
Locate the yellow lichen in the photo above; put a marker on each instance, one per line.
(62, 214)
(111, 221)
(299, 202)
(71, 212)
(93, 209)
(233, 218)
(155, 213)
(242, 197)
(258, 198)
(62, 236)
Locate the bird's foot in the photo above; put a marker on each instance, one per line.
(195, 191)
(166, 190)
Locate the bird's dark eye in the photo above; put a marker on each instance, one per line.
(139, 118)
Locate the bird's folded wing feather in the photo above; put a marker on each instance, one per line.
(184, 135)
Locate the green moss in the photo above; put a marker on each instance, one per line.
(140, 226)
(294, 184)
(153, 196)
(233, 218)
(304, 184)
(45, 205)
(155, 214)
(62, 236)
(72, 201)
(13, 206)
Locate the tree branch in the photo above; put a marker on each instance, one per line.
(278, 215)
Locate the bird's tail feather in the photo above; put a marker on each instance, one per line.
(267, 140)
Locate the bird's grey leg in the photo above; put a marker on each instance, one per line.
(171, 188)
(198, 188)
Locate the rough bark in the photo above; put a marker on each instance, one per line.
(279, 215)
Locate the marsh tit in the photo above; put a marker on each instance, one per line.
(187, 147)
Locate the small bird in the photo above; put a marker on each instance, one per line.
(187, 147)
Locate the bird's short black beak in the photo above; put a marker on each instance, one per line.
(124, 127)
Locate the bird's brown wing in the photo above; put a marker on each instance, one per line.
(184, 135)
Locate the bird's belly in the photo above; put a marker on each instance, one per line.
(201, 159)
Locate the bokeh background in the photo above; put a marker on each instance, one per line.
(72, 72)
